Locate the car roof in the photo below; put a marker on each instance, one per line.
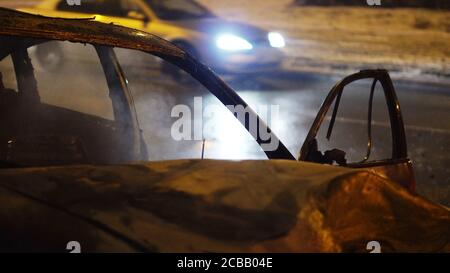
(17, 23)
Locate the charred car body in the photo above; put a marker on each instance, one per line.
(72, 176)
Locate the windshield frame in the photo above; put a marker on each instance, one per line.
(22, 25)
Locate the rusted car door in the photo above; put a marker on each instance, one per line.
(398, 167)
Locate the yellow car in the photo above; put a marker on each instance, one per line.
(227, 47)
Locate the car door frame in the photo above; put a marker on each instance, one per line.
(399, 166)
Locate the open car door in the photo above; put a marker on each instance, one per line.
(398, 166)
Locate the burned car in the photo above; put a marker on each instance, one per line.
(91, 159)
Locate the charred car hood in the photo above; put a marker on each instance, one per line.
(214, 206)
(216, 26)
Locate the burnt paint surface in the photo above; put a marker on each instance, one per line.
(217, 206)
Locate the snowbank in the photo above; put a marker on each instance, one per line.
(412, 43)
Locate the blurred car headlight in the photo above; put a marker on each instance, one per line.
(232, 42)
(276, 39)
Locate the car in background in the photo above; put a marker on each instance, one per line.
(227, 47)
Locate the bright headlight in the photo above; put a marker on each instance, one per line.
(276, 39)
(231, 42)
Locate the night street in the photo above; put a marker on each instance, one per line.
(208, 127)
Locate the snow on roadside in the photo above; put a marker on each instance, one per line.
(414, 44)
